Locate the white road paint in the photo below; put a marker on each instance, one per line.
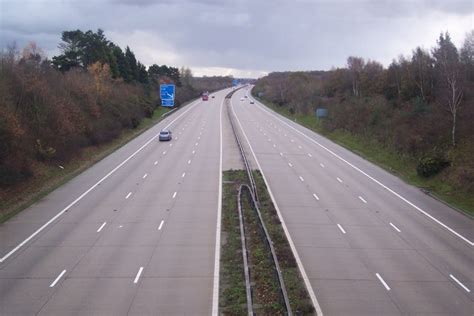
(161, 225)
(57, 279)
(299, 146)
(128, 195)
(281, 154)
(289, 164)
(315, 196)
(469, 242)
(362, 199)
(194, 152)
(302, 179)
(342, 229)
(307, 283)
(171, 144)
(383, 282)
(138, 275)
(174, 194)
(292, 140)
(395, 227)
(309, 155)
(217, 253)
(339, 179)
(184, 173)
(164, 153)
(101, 226)
(196, 144)
(460, 284)
(322, 165)
(189, 161)
(274, 146)
(155, 163)
(145, 175)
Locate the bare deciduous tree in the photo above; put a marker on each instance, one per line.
(355, 65)
(449, 72)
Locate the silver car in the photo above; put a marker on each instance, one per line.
(165, 135)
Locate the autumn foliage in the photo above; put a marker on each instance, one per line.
(421, 106)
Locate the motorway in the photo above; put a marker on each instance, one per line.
(368, 243)
(142, 240)
(138, 233)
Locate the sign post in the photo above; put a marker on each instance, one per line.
(167, 94)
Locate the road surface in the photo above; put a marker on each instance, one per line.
(366, 241)
(142, 241)
(137, 233)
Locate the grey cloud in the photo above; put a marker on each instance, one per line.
(245, 34)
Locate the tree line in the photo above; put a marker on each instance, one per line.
(420, 105)
(50, 110)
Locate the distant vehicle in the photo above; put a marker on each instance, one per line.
(252, 102)
(213, 96)
(205, 96)
(246, 96)
(242, 99)
(165, 135)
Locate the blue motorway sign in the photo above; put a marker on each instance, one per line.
(167, 102)
(167, 94)
(235, 82)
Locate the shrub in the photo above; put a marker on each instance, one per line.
(430, 165)
(10, 176)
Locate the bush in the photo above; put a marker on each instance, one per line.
(10, 176)
(430, 165)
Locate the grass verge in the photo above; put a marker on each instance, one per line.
(266, 298)
(48, 177)
(402, 166)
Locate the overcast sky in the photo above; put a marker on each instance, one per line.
(245, 38)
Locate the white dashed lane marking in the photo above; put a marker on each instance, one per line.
(57, 279)
(101, 226)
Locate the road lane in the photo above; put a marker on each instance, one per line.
(135, 262)
(336, 261)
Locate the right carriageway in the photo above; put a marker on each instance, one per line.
(369, 243)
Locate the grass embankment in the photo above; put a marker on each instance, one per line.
(48, 177)
(266, 297)
(402, 166)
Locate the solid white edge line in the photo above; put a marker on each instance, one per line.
(92, 187)
(460, 284)
(362, 199)
(138, 275)
(342, 229)
(101, 226)
(307, 283)
(383, 282)
(57, 279)
(161, 224)
(373, 179)
(217, 253)
(395, 227)
(315, 196)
